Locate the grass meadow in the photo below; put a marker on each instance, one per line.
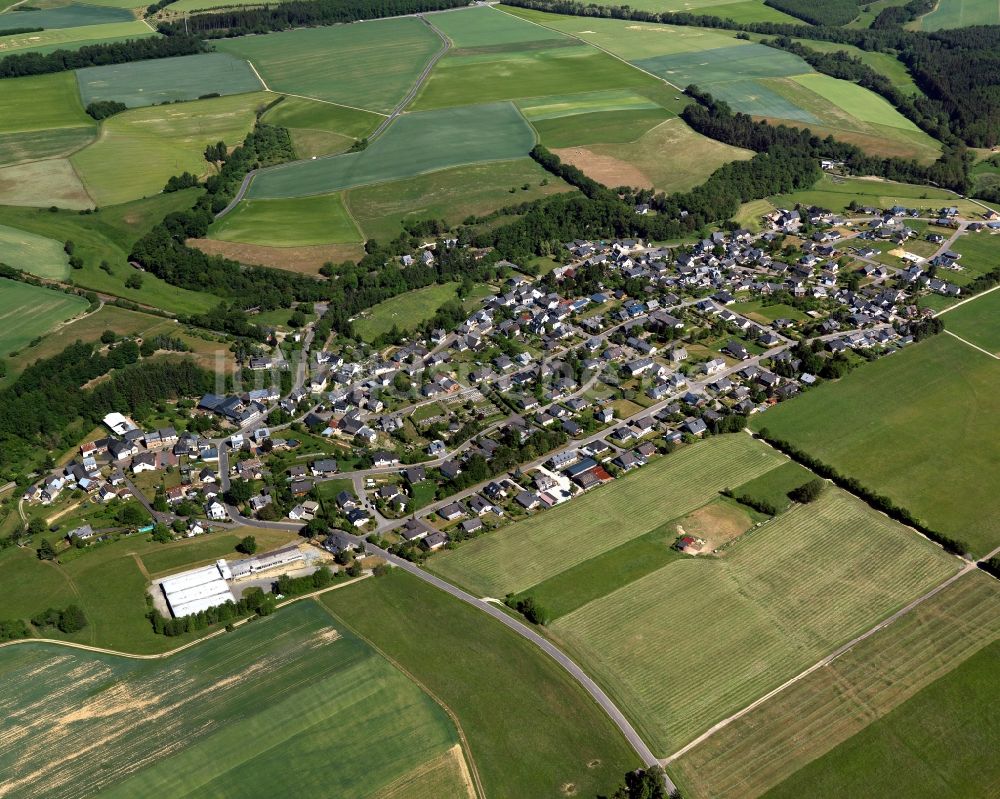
(519, 556)
(140, 149)
(834, 704)
(37, 255)
(406, 311)
(414, 144)
(533, 732)
(449, 194)
(960, 14)
(370, 65)
(980, 254)
(836, 193)
(916, 427)
(247, 712)
(321, 128)
(30, 311)
(44, 184)
(978, 322)
(773, 486)
(300, 221)
(142, 83)
(736, 626)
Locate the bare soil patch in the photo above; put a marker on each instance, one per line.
(717, 523)
(305, 260)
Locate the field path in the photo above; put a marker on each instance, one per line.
(974, 346)
(967, 299)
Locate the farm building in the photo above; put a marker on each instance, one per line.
(269, 560)
(199, 589)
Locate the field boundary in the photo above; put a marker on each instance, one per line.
(966, 300)
(974, 346)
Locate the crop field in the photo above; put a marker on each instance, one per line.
(924, 438)
(413, 145)
(890, 66)
(521, 555)
(41, 184)
(978, 321)
(960, 14)
(321, 128)
(832, 704)
(142, 32)
(140, 149)
(142, 83)
(71, 38)
(38, 255)
(16, 148)
(449, 194)
(405, 311)
(194, 6)
(486, 27)
(370, 65)
(549, 741)
(253, 708)
(73, 15)
(30, 311)
(41, 116)
(980, 253)
(302, 221)
(642, 164)
(740, 11)
(736, 626)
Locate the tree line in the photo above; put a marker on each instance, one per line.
(95, 55)
(818, 12)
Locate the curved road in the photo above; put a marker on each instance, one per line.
(400, 107)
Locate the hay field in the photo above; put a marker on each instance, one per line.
(978, 322)
(301, 221)
(42, 184)
(370, 65)
(829, 706)
(837, 193)
(518, 556)
(697, 640)
(27, 312)
(139, 150)
(38, 255)
(249, 712)
(142, 83)
(414, 144)
(925, 437)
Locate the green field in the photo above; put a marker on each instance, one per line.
(370, 65)
(73, 15)
(924, 438)
(252, 712)
(937, 743)
(321, 128)
(961, 14)
(140, 31)
(193, 6)
(71, 38)
(38, 255)
(836, 193)
(736, 626)
(519, 556)
(531, 729)
(832, 704)
(41, 116)
(449, 194)
(886, 63)
(486, 27)
(642, 163)
(741, 11)
(287, 223)
(141, 83)
(27, 312)
(16, 148)
(43, 184)
(773, 486)
(980, 253)
(405, 311)
(759, 312)
(108, 235)
(978, 321)
(140, 149)
(413, 145)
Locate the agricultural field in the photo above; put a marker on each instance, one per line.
(773, 486)
(27, 312)
(924, 438)
(890, 66)
(196, 721)
(522, 555)
(449, 194)
(40, 117)
(478, 28)
(43, 184)
(142, 83)
(319, 128)
(776, 601)
(980, 254)
(322, 219)
(641, 164)
(73, 15)
(978, 321)
(739, 11)
(414, 144)
(370, 65)
(549, 741)
(140, 149)
(837, 703)
(605, 117)
(72, 38)
(960, 14)
(37, 255)
(836, 193)
(195, 6)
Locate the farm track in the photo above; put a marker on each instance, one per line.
(401, 106)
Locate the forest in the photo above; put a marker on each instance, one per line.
(818, 12)
(94, 55)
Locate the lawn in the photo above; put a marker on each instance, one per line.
(687, 645)
(140, 149)
(415, 144)
(301, 221)
(531, 729)
(670, 157)
(773, 486)
(108, 235)
(449, 194)
(937, 743)
(978, 321)
(915, 426)
(27, 312)
(321, 128)
(839, 701)
(141, 83)
(405, 311)
(961, 14)
(521, 555)
(371, 65)
(251, 712)
(38, 255)
(73, 38)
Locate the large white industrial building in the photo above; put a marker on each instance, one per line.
(196, 590)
